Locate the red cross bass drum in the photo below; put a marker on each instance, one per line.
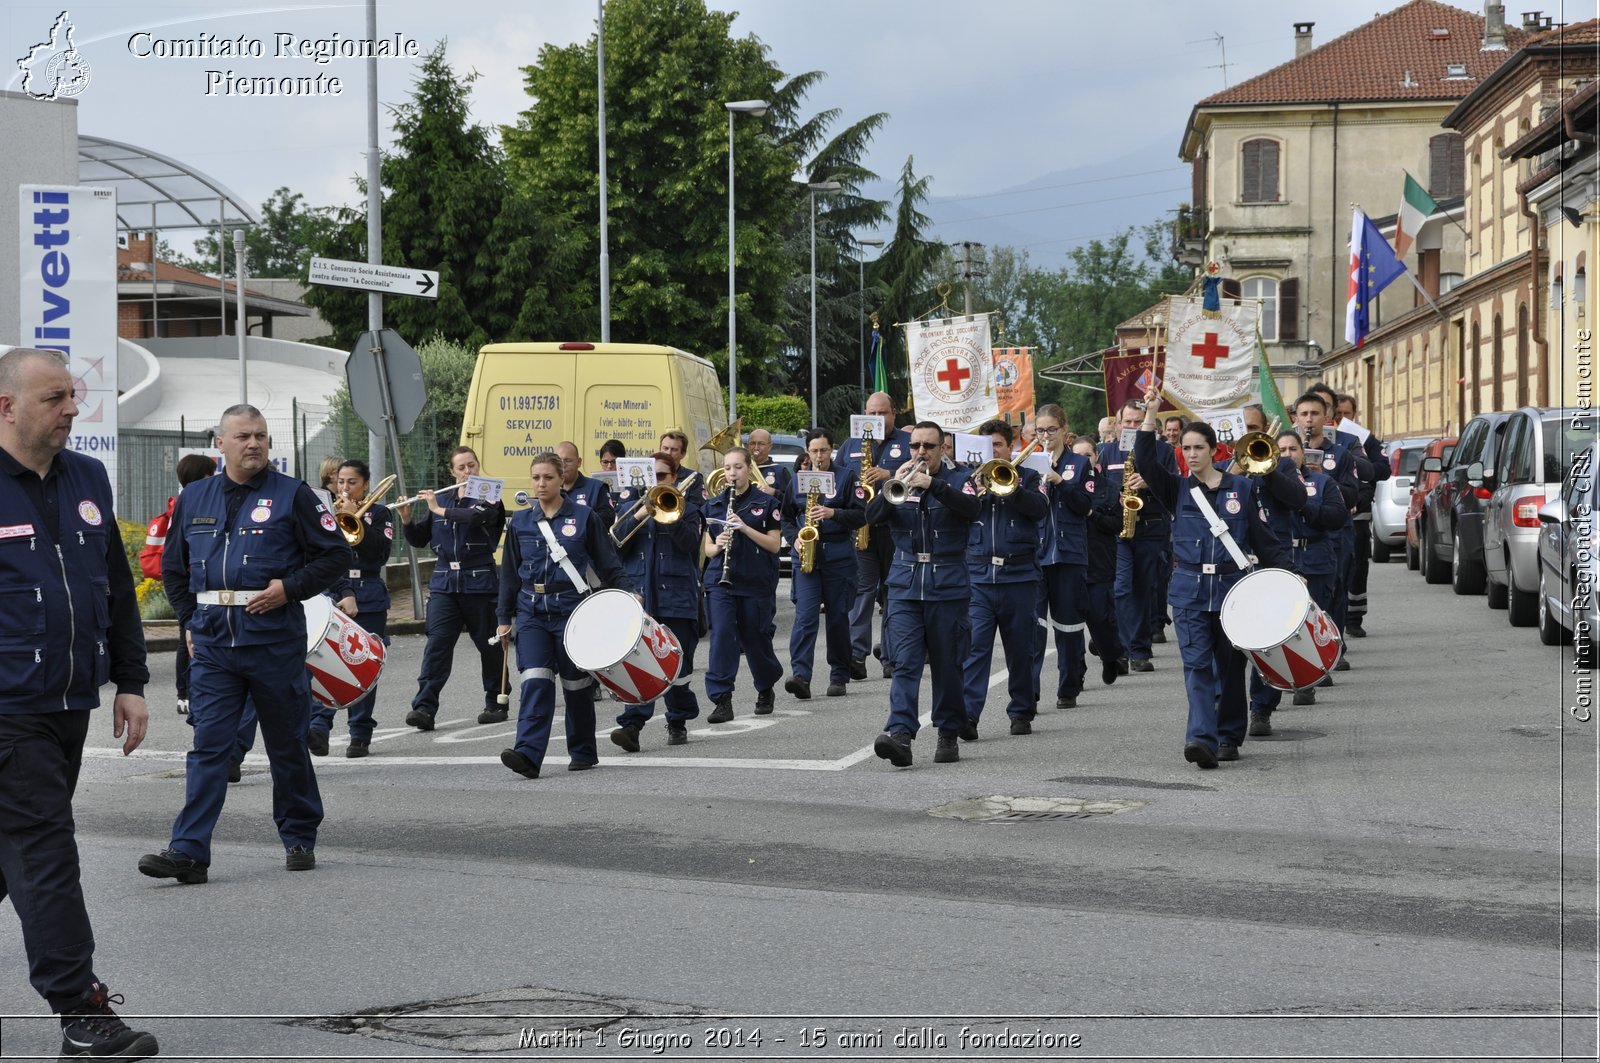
(1270, 616)
(344, 658)
(631, 653)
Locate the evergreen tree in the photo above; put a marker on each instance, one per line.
(905, 277)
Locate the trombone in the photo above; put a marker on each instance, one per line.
(349, 513)
(663, 503)
(1000, 476)
(1256, 453)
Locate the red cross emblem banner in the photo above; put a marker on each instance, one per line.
(1210, 360)
(952, 372)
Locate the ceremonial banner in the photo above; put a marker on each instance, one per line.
(1210, 360)
(952, 372)
(1127, 375)
(1013, 384)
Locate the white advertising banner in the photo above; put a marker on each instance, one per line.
(952, 372)
(68, 241)
(1211, 361)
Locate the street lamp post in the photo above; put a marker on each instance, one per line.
(756, 108)
(861, 293)
(815, 187)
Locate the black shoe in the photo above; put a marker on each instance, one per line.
(299, 858)
(858, 668)
(895, 748)
(519, 763)
(1261, 724)
(422, 721)
(170, 863)
(836, 690)
(235, 771)
(1066, 703)
(1354, 629)
(1325, 681)
(317, 742)
(1197, 753)
(1110, 668)
(90, 1028)
(1123, 666)
(723, 711)
(627, 737)
(677, 734)
(1159, 636)
(357, 749)
(581, 765)
(1305, 697)
(1020, 726)
(183, 706)
(800, 688)
(948, 751)
(1094, 651)
(1342, 666)
(490, 716)
(1227, 751)
(1141, 664)
(764, 700)
(968, 732)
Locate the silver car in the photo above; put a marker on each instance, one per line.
(1392, 497)
(1531, 461)
(1569, 572)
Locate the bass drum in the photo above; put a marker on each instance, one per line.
(1271, 617)
(626, 649)
(344, 658)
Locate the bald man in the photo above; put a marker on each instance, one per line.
(872, 564)
(584, 490)
(776, 476)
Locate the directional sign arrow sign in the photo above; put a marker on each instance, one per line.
(390, 280)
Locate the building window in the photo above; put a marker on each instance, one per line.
(1259, 181)
(1557, 300)
(1266, 290)
(1449, 281)
(1446, 166)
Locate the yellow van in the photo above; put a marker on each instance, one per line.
(527, 397)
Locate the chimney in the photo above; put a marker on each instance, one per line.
(1494, 27)
(1302, 38)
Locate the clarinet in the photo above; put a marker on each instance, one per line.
(726, 579)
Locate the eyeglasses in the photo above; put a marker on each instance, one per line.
(1046, 431)
(926, 446)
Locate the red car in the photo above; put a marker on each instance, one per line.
(1441, 449)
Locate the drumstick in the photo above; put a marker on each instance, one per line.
(504, 697)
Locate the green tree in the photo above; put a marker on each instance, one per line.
(904, 278)
(281, 246)
(446, 373)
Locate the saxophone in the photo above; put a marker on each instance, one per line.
(1131, 502)
(864, 533)
(809, 535)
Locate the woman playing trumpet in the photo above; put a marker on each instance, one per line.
(741, 544)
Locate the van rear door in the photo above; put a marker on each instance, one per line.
(522, 417)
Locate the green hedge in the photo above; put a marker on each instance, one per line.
(776, 413)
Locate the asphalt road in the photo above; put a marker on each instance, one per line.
(1405, 870)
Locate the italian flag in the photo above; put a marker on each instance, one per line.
(1415, 206)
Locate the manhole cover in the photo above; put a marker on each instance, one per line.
(1022, 809)
(510, 1019)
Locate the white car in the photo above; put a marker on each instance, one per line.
(1391, 497)
(1569, 569)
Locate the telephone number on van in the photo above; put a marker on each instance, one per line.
(530, 402)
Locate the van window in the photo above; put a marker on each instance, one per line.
(1563, 440)
(1516, 457)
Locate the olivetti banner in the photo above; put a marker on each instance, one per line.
(952, 372)
(1210, 360)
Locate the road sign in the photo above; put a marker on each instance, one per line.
(403, 369)
(390, 280)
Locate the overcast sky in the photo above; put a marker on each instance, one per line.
(986, 95)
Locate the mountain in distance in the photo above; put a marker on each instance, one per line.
(1054, 212)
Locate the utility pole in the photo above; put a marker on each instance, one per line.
(971, 267)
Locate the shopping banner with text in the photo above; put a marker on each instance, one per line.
(952, 372)
(1211, 360)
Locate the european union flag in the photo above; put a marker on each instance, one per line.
(1373, 266)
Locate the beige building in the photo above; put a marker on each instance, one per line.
(1487, 346)
(1279, 161)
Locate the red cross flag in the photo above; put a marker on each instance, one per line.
(952, 372)
(1210, 360)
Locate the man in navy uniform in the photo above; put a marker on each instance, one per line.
(250, 546)
(1139, 571)
(777, 476)
(928, 591)
(1338, 463)
(888, 454)
(72, 624)
(584, 490)
(1372, 466)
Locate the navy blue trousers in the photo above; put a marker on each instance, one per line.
(936, 634)
(542, 660)
(220, 681)
(1213, 678)
(361, 719)
(740, 625)
(1008, 607)
(833, 585)
(680, 700)
(1102, 620)
(448, 614)
(40, 755)
(1060, 602)
(1139, 579)
(871, 565)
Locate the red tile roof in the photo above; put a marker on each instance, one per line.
(128, 258)
(1370, 63)
(1579, 33)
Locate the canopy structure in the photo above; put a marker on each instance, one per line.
(155, 192)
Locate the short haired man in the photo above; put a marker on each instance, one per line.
(1375, 468)
(584, 490)
(888, 454)
(1139, 560)
(773, 477)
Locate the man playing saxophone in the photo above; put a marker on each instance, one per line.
(829, 522)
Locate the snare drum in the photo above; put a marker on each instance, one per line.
(631, 654)
(344, 658)
(1270, 615)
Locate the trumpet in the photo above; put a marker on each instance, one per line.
(407, 501)
(348, 514)
(1002, 477)
(663, 504)
(1256, 454)
(895, 491)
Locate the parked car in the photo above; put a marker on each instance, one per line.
(1391, 497)
(1452, 516)
(1421, 484)
(1527, 473)
(1568, 565)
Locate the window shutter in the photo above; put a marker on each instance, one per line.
(1289, 309)
(1230, 289)
(1269, 171)
(1447, 166)
(1251, 192)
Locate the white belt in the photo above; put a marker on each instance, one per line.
(354, 573)
(997, 562)
(226, 597)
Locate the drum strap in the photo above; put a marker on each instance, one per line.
(560, 556)
(1219, 528)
